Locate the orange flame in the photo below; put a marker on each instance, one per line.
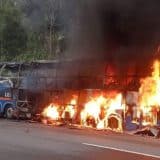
(95, 107)
(150, 94)
(51, 112)
(70, 108)
(56, 112)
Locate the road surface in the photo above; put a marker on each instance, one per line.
(30, 141)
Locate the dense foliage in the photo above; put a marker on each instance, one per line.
(30, 30)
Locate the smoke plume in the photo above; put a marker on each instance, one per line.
(121, 31)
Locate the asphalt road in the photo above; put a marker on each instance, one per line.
(26, 141)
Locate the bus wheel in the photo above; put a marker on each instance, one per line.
(9, 113)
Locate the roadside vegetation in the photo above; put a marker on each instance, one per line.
(31, 30)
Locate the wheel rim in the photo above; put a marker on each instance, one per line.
(9, 113)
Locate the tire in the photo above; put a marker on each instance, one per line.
(9, 113)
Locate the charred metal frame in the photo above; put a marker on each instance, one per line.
(79, 81)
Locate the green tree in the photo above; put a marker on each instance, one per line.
(13, 37)
(31, 29)
(45, 33)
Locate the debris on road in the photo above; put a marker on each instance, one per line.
(149, 131)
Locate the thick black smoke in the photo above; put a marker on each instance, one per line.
(120, 31)
(117, 30)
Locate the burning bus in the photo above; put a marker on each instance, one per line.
(91, 94)
(112, 104)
